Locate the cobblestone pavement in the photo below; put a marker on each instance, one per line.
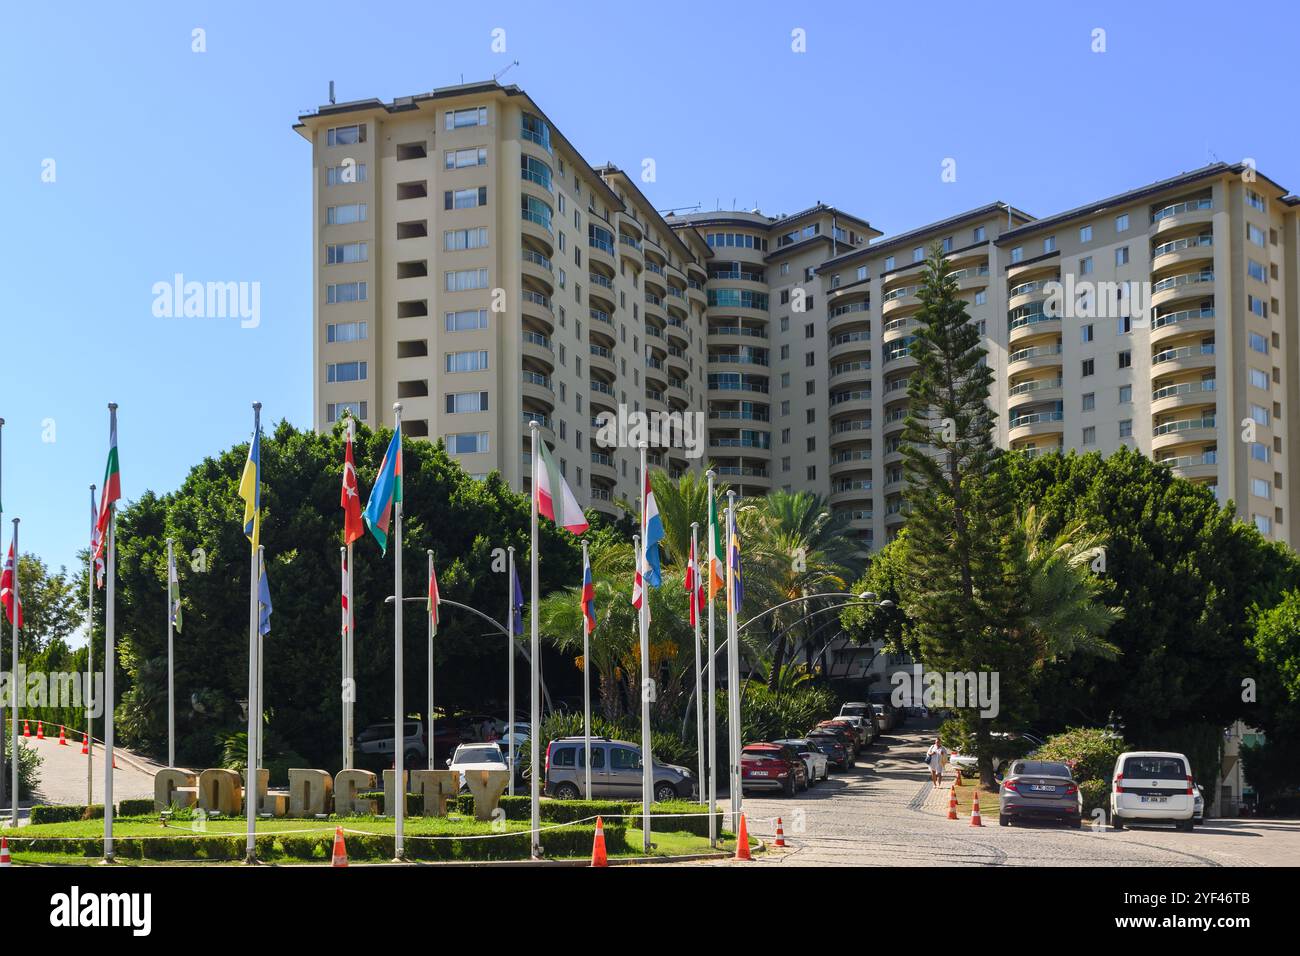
(886, 813)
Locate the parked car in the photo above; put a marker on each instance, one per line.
(374, 746)
(835, 746)
(884, 715)
(816, 761)
(849, 729)
(865, 726)
(476, 756)
(772, 767)
(1198, 804)
(1151, 786)
(884, 699)
(1040, 789)
(615, 771)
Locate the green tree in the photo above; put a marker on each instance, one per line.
(965, 590)
(51, 612)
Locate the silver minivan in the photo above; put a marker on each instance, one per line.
(615, 772)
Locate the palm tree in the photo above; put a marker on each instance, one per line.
(681, 502)
(1066, 614)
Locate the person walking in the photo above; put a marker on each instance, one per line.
(937, 758)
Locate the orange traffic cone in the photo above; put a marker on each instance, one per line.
(780, 834)
(85, 744)
(63, 741)
(340, 857)
(27, 731)
(40, 730)
(598, 857)
(975, 820)
(957, 782)
(4, 852)
(742, 841)
(952, 805)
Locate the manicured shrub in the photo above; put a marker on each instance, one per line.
(134, 808)
(1091, 752)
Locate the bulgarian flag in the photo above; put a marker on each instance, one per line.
(386, 492)
(111, 493)
(717, 570)
(555, 498)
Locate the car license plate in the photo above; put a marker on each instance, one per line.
(1044, 788)
(758, 773)
(1155, 799)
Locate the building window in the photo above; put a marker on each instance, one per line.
(1085, 233)
(1126, 358)
(980, 234)
(335, 410)
(1257, 306)
(459, 119)
(1259, 379)
(460, 403)
(345, 214)
(466, 320)
(1089, 401)
(458, 240)
(1087, 367)
(345, 135)
(1090, 435)
(460, 158)
(1121, 222)
(466, 280)
(346, 332)
(982, 297)
(1085, 266)
(1085, 332)
(345, 292)
(1125, 394)
(464, 198)
(1255, 235)
(467, 443)
(347, 173)
(475, 360)
(1258, 343)
(918, 253)
(1126, 428)
(346, 252)
(346, 372)
(1121, 256)
(889, 263)
(1017, 253)
(1255, 200)
(1049, 244)
(1260, 488)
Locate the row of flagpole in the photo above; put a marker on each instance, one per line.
(550, 496)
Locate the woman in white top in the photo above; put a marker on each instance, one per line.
(936, 757)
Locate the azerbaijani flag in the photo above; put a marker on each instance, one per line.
(555, 498)
(737, 597)
(112, 490)
(432, 604)
(387, 491)
(717, 576)
(588, 596)
(653, 531)
(250, 489)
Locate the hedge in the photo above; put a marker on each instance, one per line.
(67, 813)
(626, 811)
(558, 842)
(136, 808)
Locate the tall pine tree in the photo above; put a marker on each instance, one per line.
(965, 578)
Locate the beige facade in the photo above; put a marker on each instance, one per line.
(485, 274)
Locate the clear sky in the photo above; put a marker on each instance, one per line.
(167, 161)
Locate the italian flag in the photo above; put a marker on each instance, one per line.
(554, 496)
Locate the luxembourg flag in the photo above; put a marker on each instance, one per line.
(588, 596)
(654, 533)
(555, 498)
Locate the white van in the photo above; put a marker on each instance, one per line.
(1151, 786)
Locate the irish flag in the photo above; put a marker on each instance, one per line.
(554, 496)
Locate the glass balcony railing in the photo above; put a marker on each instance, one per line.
(601, 387)
(537, 338)
(537, 298)
(1178, 245)
(600, 315)
(1034, 386)
(1189, 461)
(1183, 425)
(1037, 351)
(1186, 388)
(1186, 315)
(603, 281)
(536, 258)
(1178, 208)
(1191, 278)
(1172, 355)
(537, 378)
(1034, 418)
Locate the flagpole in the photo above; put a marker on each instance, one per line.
(432, 612)
(647, 682)
(349, 726)
(535, 716)
(14, 630)
(713, 696)
(586, 677)
(733, 673)
(699, 674)
(512, 745)
(90, 657)
(254, 705)
(399, 708)
(171, 673)
(110, 654)
(345, 572)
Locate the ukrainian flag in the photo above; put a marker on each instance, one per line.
(250, 489)
(737, 595)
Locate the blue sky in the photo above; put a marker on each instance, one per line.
(172, 161)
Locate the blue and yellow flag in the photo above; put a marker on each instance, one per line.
(250, 489)
(737, 595)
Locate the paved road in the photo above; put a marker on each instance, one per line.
(887, 813)
(63, 773)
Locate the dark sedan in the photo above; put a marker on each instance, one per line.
(1040, 789)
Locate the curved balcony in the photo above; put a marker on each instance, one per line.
(1049, 268)
(695, 292)
(1182, 431)
(1034, 424)
(537, 307)
(1167, 398)
(1029, 325)
(975, 276)
(602, 251)
(654, 306)
(851, 432)
(601, 395)
(850, 372)
(895, 420)
(600, 288)
(537, 229)
(1171, 325)
(1034, 358)
(742, 332)
(602, 359)
(855, 459)
(1188, 249)
(850, 402)
(602, 465)
(745, 361)
(677, 396)
(676, 332)
(847, 344)
(537, 346)
(538, 389)
(849, 314)
(723, 385)
(1182, 214)
(895, 511)
(1188, 285)
(1199, 467)
(546, 425)
(1182, 358)
(1027, 293)
(898, 354)
(634, 227)
(744, 412)
(896, 300)
(896, 329)
(850, 490)
(538, 268)
(1037, 390)
(629, 248)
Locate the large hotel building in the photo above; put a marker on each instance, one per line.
(471, 264)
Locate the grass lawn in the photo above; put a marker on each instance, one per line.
(988, 802)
